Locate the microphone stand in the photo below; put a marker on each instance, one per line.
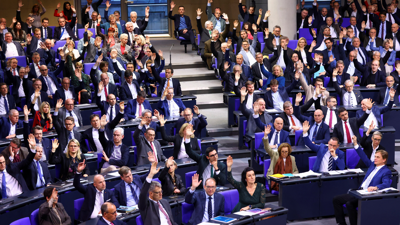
(170, 61)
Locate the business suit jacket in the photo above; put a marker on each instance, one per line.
(30, 174)
(323, 134)
(380, 76)
(49, 32)
(130, 109)
(149, 210)
(31, 48)
(11, 101)
(162, 83)
(62, 114)
(213, 19)
(251, 128)
(252, 50)
(53, 76)
(366, 144)
(3, 44)
(321, 150)
(284, 92)
(256, 70)
(5, 125)
(47, 57)
(355, 124)
(377, 111)
(101, 221)
(63, 133)
(203, 162)
(108, 146)
(89, 193)
(359, 15)
(176, 19)
(299, 19)
(286, 123)
(283, 136)
(68, 28)
(144, 147)
(112, 89)
(23, 154)
(163, 106)
(124, 91)
(335, 52)
(199, 123)
(342, 91)
(274, 156)
(126, 58)
(199, 199)
(103, 106)
(177, 140)
(120, 190)
(204, 33)
(14, 169)
(382, 177)
(60, 94)
(50, 217)
(382, 93)
(310, 90)
(229, 79)
(207, 45)
(95, 6)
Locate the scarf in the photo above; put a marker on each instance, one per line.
(281, 168)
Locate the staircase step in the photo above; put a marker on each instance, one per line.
(221, 132)
(210, 101)
(198, 64)
(194, 74)
(201, 87)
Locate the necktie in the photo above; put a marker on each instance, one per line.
(154, 151)
(363, 59)
(140, 109)
(366, 183)
(293, 123)
(315, 132)
(134, 193)
(209, 208)
(4, 186)
(69, 135)
(350, 100)
(355, 31)
(37, 64)
(166, 89)
(210, 32)
(165, 213)
(45, 33)
(347, 132)
(386, 101)
(330, 164)
(276, 138)
(390, 17)
(14, 72)
(105, 91)
(39, 101)
(212, 171)
(111, 112)
(330, 118)
(49, 84)
(40, 173)
(6, 105)
(16, 158)
(62, 32)
(383, 24)
(370, 21)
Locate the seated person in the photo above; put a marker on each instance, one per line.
(261, 69)
(67, 91)
(50, 81)
(277, 73)
(338, 74)
(130, 88)
(68, 110)
(208, 165)
(9, 47)
(18, 82)
(149, 123)
(51, 211)
(68, 160)
(93, 194)
(128, 190)
(36, 95)
(169, 106)
(278, 95)
(384, 92)
(153, 208)
(167, 82)
(14, 152)
(198, 123)
(247, 185)
(349, 95)
(371, 75)
(291, 122)
(136, 107)
(13, 70)
(183, 26)
(370, 145)
(109, 215)
(377, 177)
(252, 128)
(171, 182)
(41, 141)
(203, 200)
(104, 86)
(37, 174)
(377, 111)
(177, 139)
(248, 51)
(7, 101)
(235, 80)
(10, 124)
(328, 157)
(43, 117)
(330, 112)
(110, 108)
(281, 161)
(147, 145)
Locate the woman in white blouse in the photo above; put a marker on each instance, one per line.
(302, 50)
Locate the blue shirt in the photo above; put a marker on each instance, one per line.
(129, 197)
(182, 23)
(218, 25)
(38, 181)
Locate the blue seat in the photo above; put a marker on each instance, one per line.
(262, 47)
(58, 44)
(82, 31)
(34, 218)
(215, 65)
(297, 135)
(97, 113)
(23, 221)
(183, 41)
(361, 130)
(162, 74)
(87, 145)
(292, 44)
(326, 81)
(188, 178)
(235, 48)
(21, 60)
(267, 164)
(244, 132)
(135, 148)
(199, 143)
(52, 28)
(76, 44)
(291, 100)
(352, 158)
(260, 37)
(231, 199)
(156, 179)
(139, 220)
(241, 25)
(311, 161)
(346, 22)
(305, 33)
(187, 211)
(77, 207)
(99, 155)
(198, 44)
(87, 67)
(257, 142)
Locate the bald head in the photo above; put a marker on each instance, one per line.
(99, 182)
(278, 124)
(318, 116)
(43, 70)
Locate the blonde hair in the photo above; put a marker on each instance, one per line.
(41, 108)
(280, 69)
(301, 39)
(183, 127)
(142, 40)
(78, 153)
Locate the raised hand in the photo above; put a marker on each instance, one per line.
(313, 44)
(147, 39)
(108, 4)
(267, 130)
(32, 141)
(297, 75)
(156, 113)
(20, 4)
(81, 166)
(105, 157)
(170, 161)
(274, 42)
(299, 98)
(99, 19)
(147, 12)
(151, 157)
(161, 120)
(58, 5)
(331, 59)
(363, 25)
(392, 92)
(54, 145)
(254, 27)
(260, 11)
(189, 131)
(196, 109)
(101, 86)
(235, 23)
(153, 169)
(225, 16)
(310, 20)
(195, 181)
(267, 14)
(371, 127)
(122, 105)
(243, 91)
(103, 121)
(139, 63)
(229, 162)
(87, 10)
(237, 76)
(172, 4)
(306, 126)
(226, 66)
(160, 53)
(256, 107)
(26, 111)
(199, 12)
(59, 104)
(369, 103)
(73, 9)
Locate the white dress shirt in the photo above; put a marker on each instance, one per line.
(277, 100)
(163, 218)
(281, 61)
(95, 134)
(344, 131)
(296, 121)
(251, 58)
(349, 97)
(173, 108)
(68, 94)
(11, 50)
(133, 90)
(351, 69)
(328, 117)
(38, 181)
(182, 152)
(13, 129)
(13, 187)
(272, 141)
(137, 109)
(109, 112)
(368, 180)
(2, 107)
(98, 202)
(37, 69)
(249, 104)
(65, 35)
(325, 162)
(21, 92)
(50, 82)
(371, 118)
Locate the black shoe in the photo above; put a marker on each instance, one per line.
(194, 48)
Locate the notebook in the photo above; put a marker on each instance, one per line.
(223, 219)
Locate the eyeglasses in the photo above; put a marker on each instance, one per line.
(211, 187)
(377, 139)
(158, 192)
(213, 155)
(113, 212)
(69, 124)
(43, 70)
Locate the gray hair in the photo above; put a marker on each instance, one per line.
(377, 133)
(120, 129)
(238, 67)
(133, 13)
(153, 185)
(12, 111)
(123, 36)
(146, 111)
(376, 52)
(129, 23)
(207, 22)
(348, 82)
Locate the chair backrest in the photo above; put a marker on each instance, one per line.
(198, 39)
(267, 163)
(77, 207)
(361, 130)
(98, 112)
(156, 179)
(234, 48)
(162, 74)
(187, 211)
(260, 37)
(311, 161)
(23, 221)
(76, 44)
(231, 199)
(135, 148)
(139, 220)
(237, 104)
(291, 100)
(241, 25)
(34, 218)
(87, 145)
(352, 158)
(346, 22)
(262, 46)
(188, 178)
(258, 139)
(82, 31)
(58, 170)
(381, 119)
(58, 44)
(21, 60)
(292, 44)
(244, 127)
(87, 67)
(326, 81)
(99, 155)
(52, 28)
(297, 135)
(305, 33)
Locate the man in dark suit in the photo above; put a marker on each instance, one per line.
(378, 177)
(109, 108)
(356, 14)
(384, 92)
(95, 195)
(14, 148)
(167, 82)
(347, 127)
(47, 55)
(249, 15)
(136, 107)
(35, 95)
(130, 88)
(67, 91)
(7, 101)
(153, 208)
(330, 111)
(341, 76)
(65, 29)
(291, 122)
(37, 174)
(349, 95)
(103, 87)
(262, 69)
(109, 215)
(302, 19)
(328, 157)
(18, 91)
(6, 41)
(383, 31)
(68, 110)
(198, 123)
(361, 53)
(93, 9)
(222, 56)
(92, 20)
(183, 25)
(375, 116)
(37, 131)
(278, 95)
(34, 67)
(205, 33)
(46, 31)
(234, 80)
(138, 25)
(34, 42)
(246, 70)
(372, 77)
(330, 51)
(170, 106)
(25, 26)
(202, 201)
(9, 124)
(15, 177)
(370, 145)
(115, 154)
(147, 145)
(50, 83)
(128, 190)
(13, 71)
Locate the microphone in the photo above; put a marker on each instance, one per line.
(170, 60)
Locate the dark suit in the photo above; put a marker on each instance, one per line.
(382, 93)
(380, 76)
(90, 193)
(342, 91)
(109, 149)
(124, 91)
(130, 110)
(144, 147)
(33, 46)
(377, 111)
(101, 221)
(10, 101)
(31, 174)
(95, 6)
(359, 15)
(163, 84)
(366, 144)
(68, 28)
(111, 89)
(120, 189)
(299, 20)
(23, 154)
(24, 26)
(203, 162)
(204, 33)
(49, 32)
(60, 93)
(63, 134)
(164, 110)
(104, 106)
(199, 200)
(283, 136)
(252, 128)
(322, 136)
(5, 125)
(355, 124)
(47, 57)
(62, 114)
(189, 34)
(198, 123)
(229, 79)
(283, 92)
(177, 140)
(3, 44)
(149, 210)
(53, 76)
(167, 182)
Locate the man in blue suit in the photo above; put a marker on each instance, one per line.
(109, 108)
(7, 101)
(47, 55)
(275, 97)
(203, 201)
(128, 190)
(319, 132)
(37, 174)
(149, 123)
(384, 92)
(372, 76)
(10, 124)
(377, 178)
(328, 157)
(109, 215)
(246, 70)
(171, 107)
(136, 107)
(183, 25)
(198, 123)
(375, 116)
(91, 207)
(130, 88)
(68, 91)
(330, 51)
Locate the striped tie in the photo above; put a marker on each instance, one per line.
(330, 164)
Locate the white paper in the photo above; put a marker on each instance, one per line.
(387, 189)
(114, 174)
(333, 173)
(244, 213)
(366, 192)
(308, 173)
(207, 223)
(357, 170)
